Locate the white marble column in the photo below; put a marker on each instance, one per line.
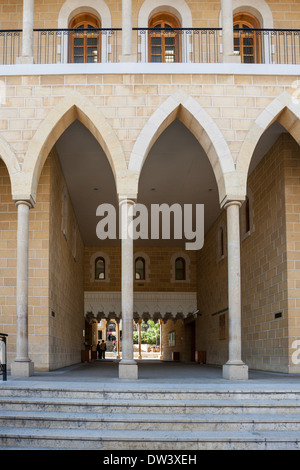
(128, 368)
(227, 32)
(127, 55)
(160, 339)
(22, 366)
(118, 338)
(235, 367)
(27, 35)
(140, 339)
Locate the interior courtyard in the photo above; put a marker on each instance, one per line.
(115, 103)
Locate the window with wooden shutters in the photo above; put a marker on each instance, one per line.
(164, 39)
(84, 43)
(246, 40)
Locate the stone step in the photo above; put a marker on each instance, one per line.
(155, 440)
(98, 405)
(146, 394)
(144, 422)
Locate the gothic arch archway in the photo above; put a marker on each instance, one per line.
(284, 109)
(9, 158)
(185, 108)
(70, 108)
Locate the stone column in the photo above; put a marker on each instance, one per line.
(128, 368)
(27, 35)
(234, 368)
(160, 340)
(227, 32)
(22, 366)
(127, 55)
(140, 339)
(118, 338)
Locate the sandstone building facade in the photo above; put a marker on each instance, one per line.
(150, 102)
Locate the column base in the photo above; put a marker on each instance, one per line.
(128, 370)
(22, 369)
(235, 59)
(24, 60)
(235, 371)
(128, 58)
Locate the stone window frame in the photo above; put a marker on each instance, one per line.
(174, 257)
(98, 8)
(93, 258)
(141, 254)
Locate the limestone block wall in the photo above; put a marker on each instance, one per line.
(38, 282)
(291, 154)
(66, 254)
(264, 269)
(270, 320)
(204, 14)
(159, 269)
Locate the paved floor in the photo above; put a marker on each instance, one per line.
(154, 373)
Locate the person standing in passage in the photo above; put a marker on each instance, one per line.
(103, 348)
(99, 350)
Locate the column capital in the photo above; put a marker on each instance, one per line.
(126, 200)
(232, 203)
(25, 202)
(231, 200)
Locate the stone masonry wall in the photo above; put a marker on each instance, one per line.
(265, 280)
(66, 315)
(205, 14)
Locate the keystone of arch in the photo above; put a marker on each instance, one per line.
(71, 107)
(185, 108)
(286, 110)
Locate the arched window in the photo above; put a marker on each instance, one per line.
(140, 273)
(180, 269)
(246, 41)
(84, 44)
(163, 39)
(100, 268)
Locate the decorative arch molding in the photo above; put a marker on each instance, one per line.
(9, 158)
(185, 108)
(286, 110)
(178, 8)
(73, 7)
(73, 106)
(98, 8)
(259, 8)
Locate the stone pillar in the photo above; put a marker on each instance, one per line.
(234, 368)
(22, 366)
(118, 338)
(227, 32)
(27, 36)
(160, 340)
(128, 368)
(140, 339)
(127, 55)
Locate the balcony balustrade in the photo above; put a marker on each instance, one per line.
(169, 45)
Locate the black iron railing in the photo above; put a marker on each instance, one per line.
(10, 46)
(196, 45)
(3, 356)
(188, 45)
(268, 46)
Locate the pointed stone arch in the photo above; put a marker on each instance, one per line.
(73, 106)
(185, 108)
(9, 158)
(286, 110)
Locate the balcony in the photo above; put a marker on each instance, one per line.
(194, 45)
